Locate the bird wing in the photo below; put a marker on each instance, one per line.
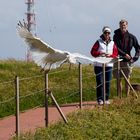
(85, 59)
(106, 60)
(49, 58)
(35, 44)
(42, 53)
(80, 58)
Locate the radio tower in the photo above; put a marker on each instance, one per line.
(31, 23)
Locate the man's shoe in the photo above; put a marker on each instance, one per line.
(107, 102)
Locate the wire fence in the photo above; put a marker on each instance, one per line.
(64, 85)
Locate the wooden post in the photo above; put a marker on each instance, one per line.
(80, 84)
(58, 107)
(129, 84)
(46, 101)
(17, 106)
(119, 94)
(104, 83)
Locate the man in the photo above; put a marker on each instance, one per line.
(125, 41)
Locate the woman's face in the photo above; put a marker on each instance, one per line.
(106, 35)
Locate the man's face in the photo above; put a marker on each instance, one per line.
(123, 27)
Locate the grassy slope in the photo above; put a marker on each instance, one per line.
(119, 121)
(63, 83)
(8, 70)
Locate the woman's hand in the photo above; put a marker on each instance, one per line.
(102, 54)
(107, 55)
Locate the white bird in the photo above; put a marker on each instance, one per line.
(49, 58)
(46, 56)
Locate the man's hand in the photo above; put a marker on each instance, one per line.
(128, 57)
(132, 61)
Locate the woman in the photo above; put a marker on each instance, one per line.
(104, 47)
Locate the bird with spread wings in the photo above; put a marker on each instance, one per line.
(46, 56)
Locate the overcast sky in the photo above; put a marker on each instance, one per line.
(72, 25)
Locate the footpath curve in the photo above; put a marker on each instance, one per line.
(34, 118)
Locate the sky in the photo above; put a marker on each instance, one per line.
(70, 25)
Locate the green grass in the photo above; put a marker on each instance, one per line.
(63, 83)
(119, 121)
(11, 68)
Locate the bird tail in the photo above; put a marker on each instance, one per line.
(40, 60)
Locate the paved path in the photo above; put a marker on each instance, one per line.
(32, 119)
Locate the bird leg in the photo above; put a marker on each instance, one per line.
(70, 66)
(47, 70)
(63, 62)
(43, 69)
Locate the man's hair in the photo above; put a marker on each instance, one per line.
(123, 21)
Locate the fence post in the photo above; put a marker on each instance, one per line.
(17, 105)
(58, 107)
(119, 94)
(46, 100)
(80, 84)
(104, 83)
(129, 83)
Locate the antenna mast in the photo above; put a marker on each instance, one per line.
(30, 14)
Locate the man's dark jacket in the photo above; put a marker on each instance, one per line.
(125, 43)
